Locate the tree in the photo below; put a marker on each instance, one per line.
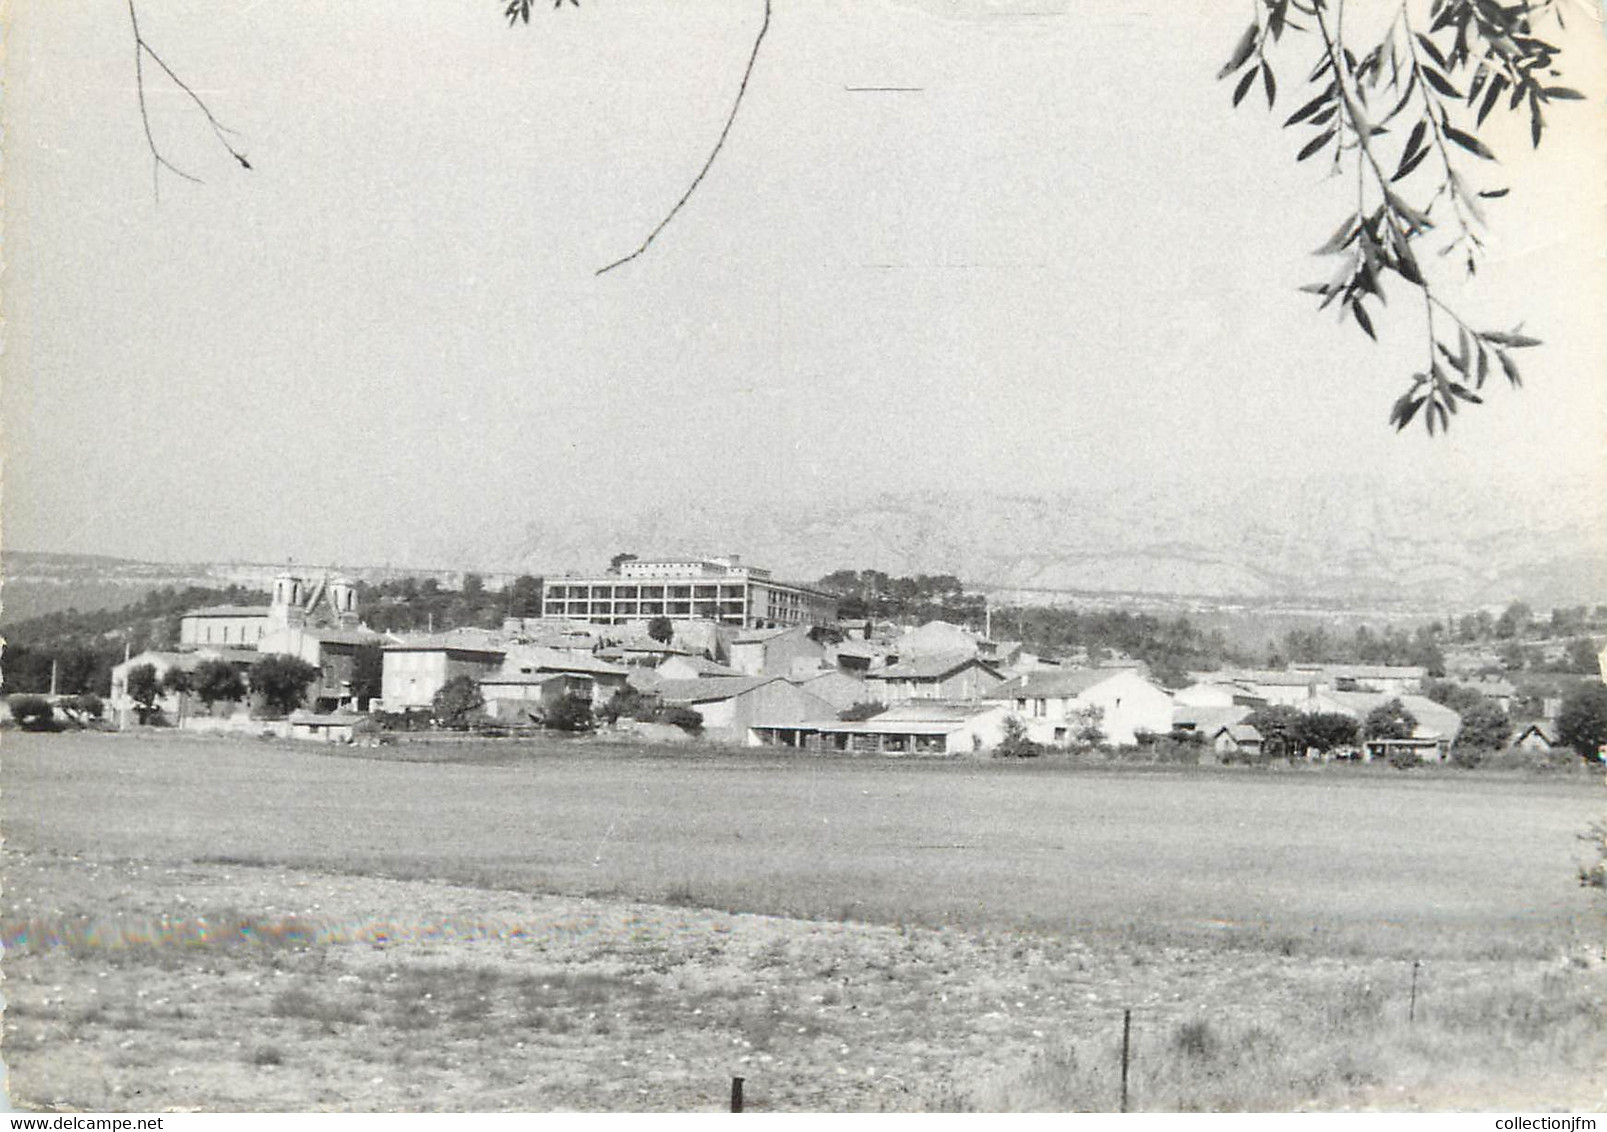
(1280, 726)
(1484, 726)
(218, 681)
(1514, 621)
(177, 681)
(144, 688)
(1581, 656)
(456, 701)
(1389, 721)
(1582, 722)
(524, 597)
(1326, 730)
(282, 681)
(1089, 727)
(661, 629)
(1472, 56)
(368, 674)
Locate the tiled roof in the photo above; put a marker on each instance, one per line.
(1068, 682)
(709, 688)
(930, 667)
(229, 611)
(439, 642)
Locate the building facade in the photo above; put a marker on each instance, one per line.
(722, 590)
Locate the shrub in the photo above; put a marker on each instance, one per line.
(861, 711)
(33, 713)
(1015, 744)
(572, 713)
(1404, 758)
(687, 719)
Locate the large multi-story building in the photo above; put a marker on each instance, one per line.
(722, 590)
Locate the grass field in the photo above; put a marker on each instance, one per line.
(503, 928)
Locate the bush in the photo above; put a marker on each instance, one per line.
(1015, 744)
(33, 713)
(685, 718)
(861, 711)
(1469, 757)
(1403, 758)
(572, 713)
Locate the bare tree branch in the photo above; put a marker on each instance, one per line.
(219, 130)
(742, 89)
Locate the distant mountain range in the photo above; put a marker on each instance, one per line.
(1360, 541)
(1365, 539)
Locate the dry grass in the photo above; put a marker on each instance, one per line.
(251, 926)
(1468, 1042)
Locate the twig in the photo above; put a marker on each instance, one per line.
(158, 161)
(715, 152)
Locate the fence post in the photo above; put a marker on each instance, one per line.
(1411, 1006)
(1127, 1034)
(736, 1094)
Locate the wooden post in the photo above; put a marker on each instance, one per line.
(1411, 1006)
(736, 1094)
(1127, 1035)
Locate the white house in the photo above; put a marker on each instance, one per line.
(1053, 704)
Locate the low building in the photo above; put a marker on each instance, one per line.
(942, 676)
(1537, 736)
(327, 727)
(731, 705)
(923, 728)
(120, 705)
(1237, 739)
(521, 697)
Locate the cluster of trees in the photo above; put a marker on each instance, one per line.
(1423, 646)
(871, 594)
(405, 604)
(83, 645)
(1172, 648)
(458, 706)
(281, 681)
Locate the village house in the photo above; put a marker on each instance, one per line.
(415, 668)
(1536, 736)
(730, 706)
(942, 676)
(1054, 704)
(533, 680)
(775, 652)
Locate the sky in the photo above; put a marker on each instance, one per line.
(1064, 261)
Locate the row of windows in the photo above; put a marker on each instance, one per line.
(633, 592)
(241, 635)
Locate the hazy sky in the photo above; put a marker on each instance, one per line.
(1064, 261)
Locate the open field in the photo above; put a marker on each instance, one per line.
(243, 924)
